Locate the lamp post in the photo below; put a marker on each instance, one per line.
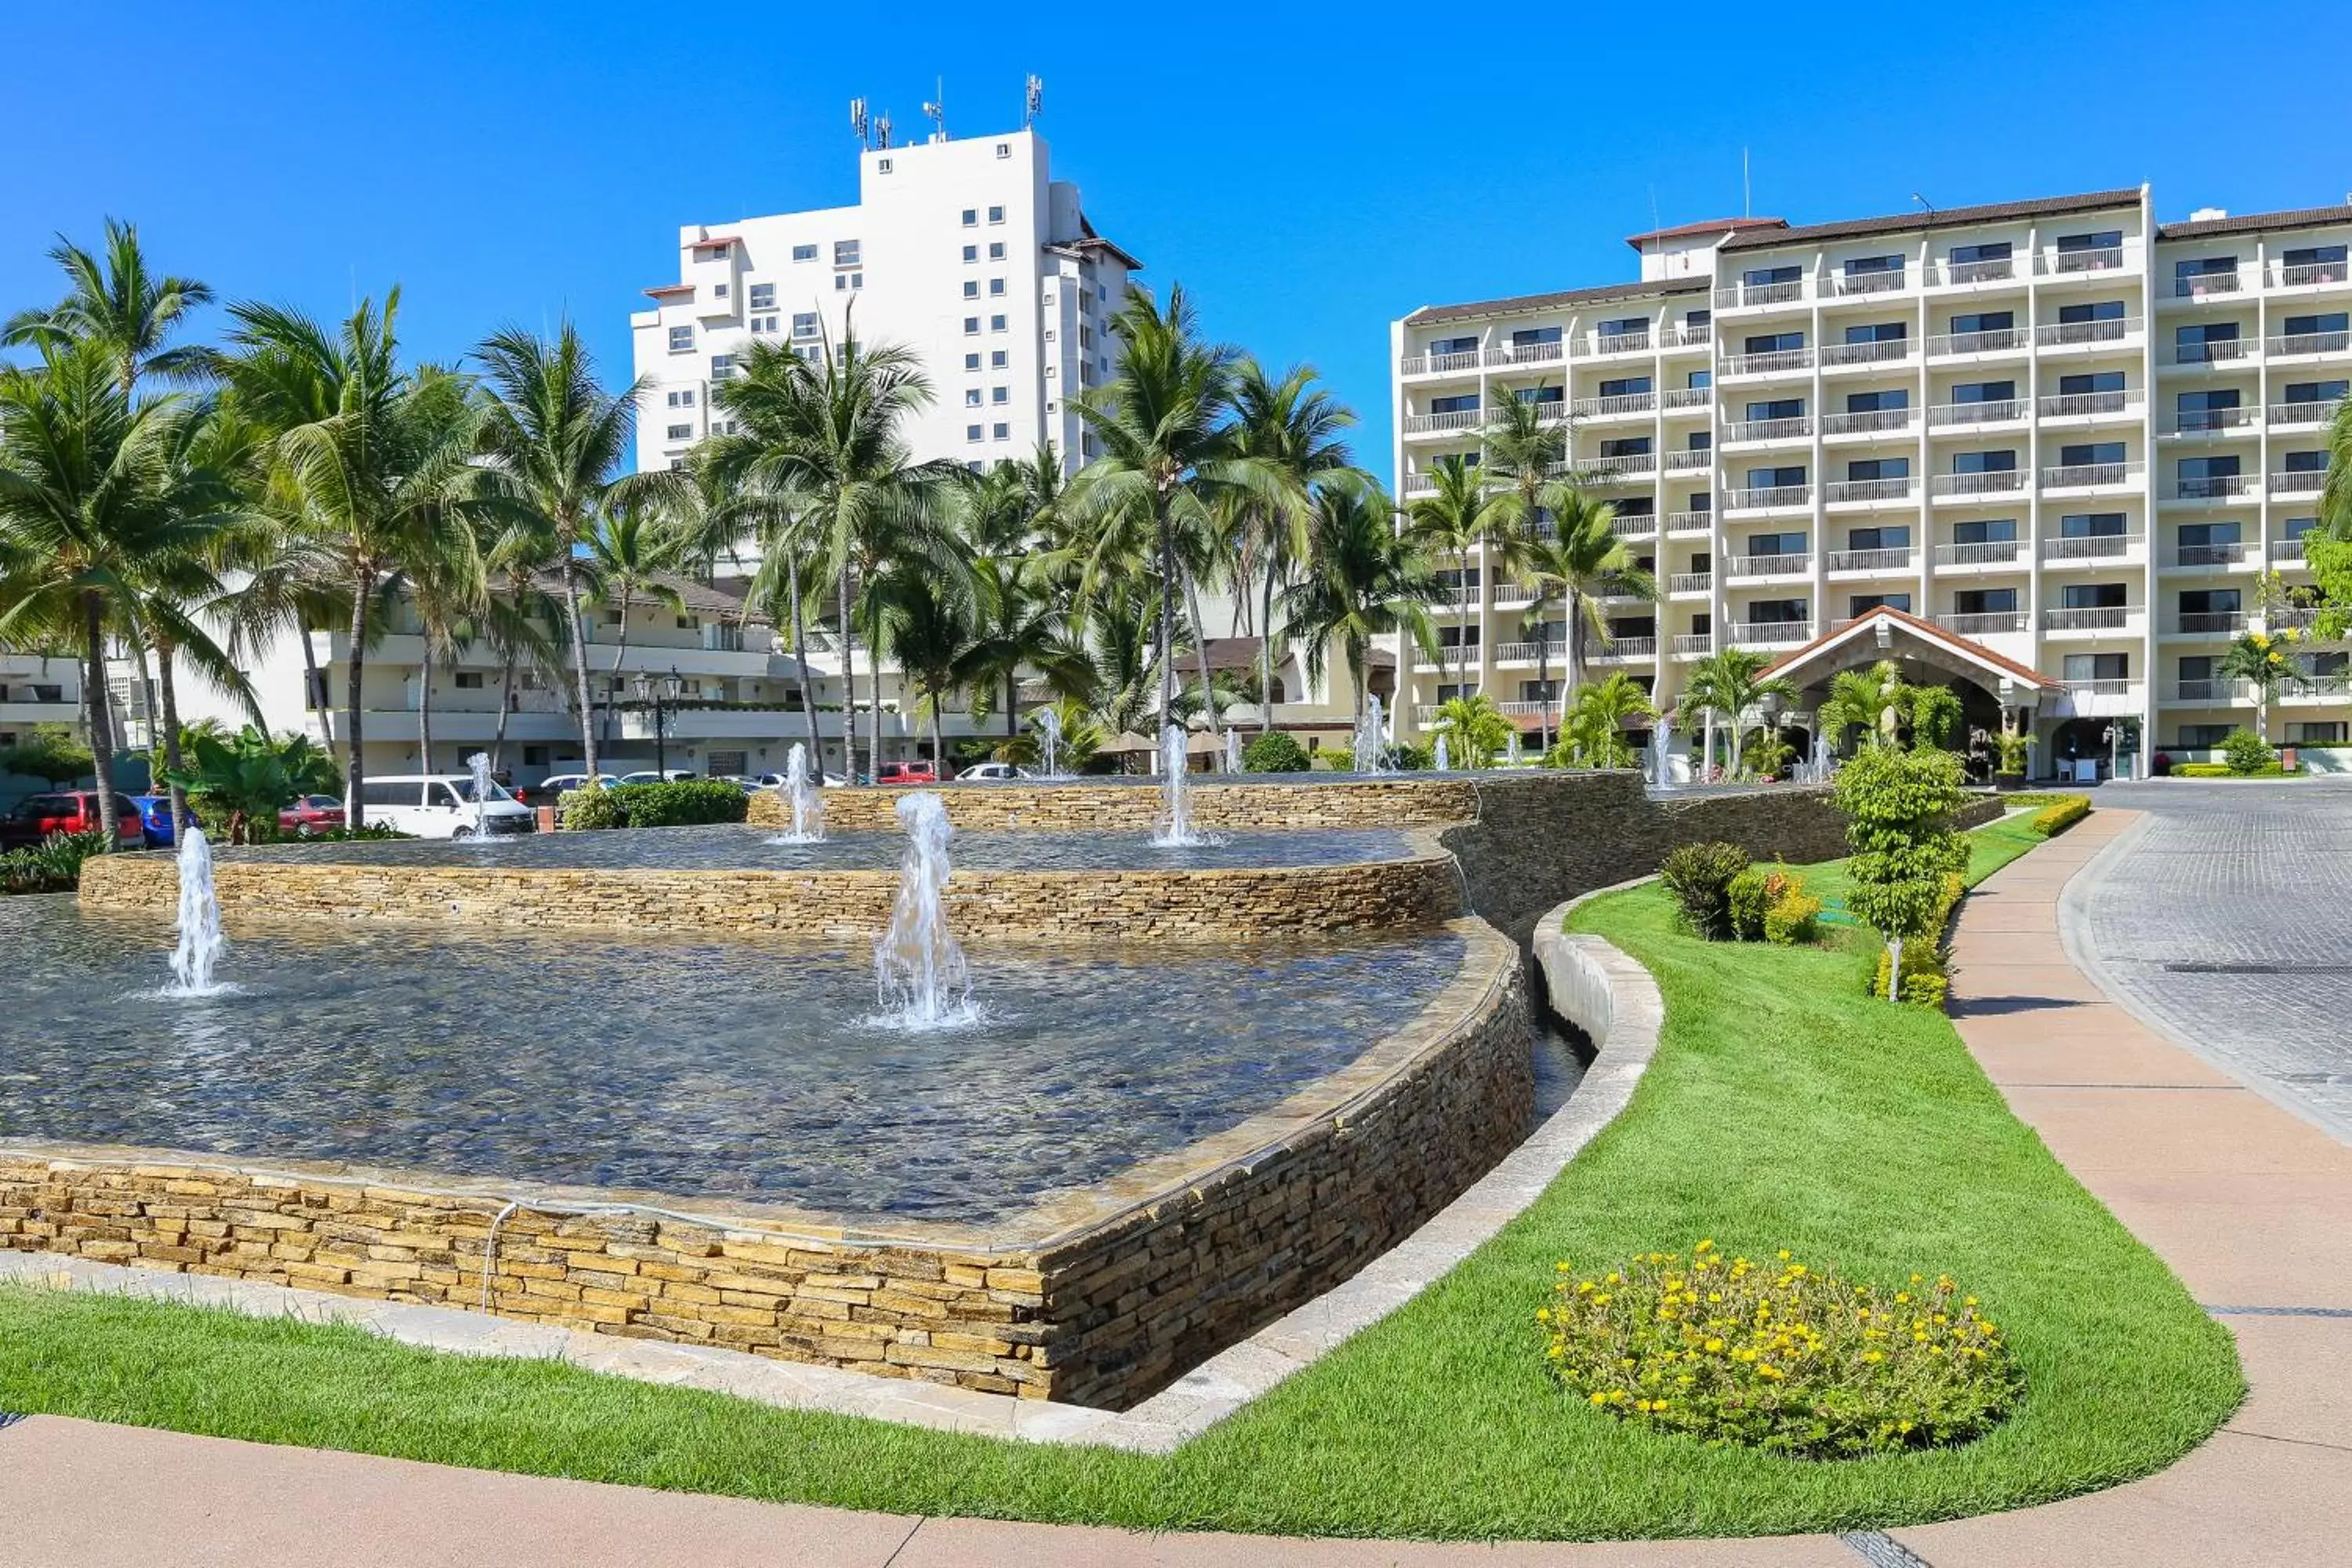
(660, 693)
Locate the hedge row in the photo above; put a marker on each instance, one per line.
(2061, 814)
(684, 804)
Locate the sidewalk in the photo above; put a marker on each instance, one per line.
(2245, 1201)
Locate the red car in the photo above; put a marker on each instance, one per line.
(915, 773)
(37, 817)
(311, 813)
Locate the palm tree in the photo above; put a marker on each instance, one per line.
(447, 592)
(1453, 519)
(629, 560)
(1474, 728)
(1293, 427)
(1526, 447)
(1582, 562)
(116, 300)
(554, 440)
(1730, 683)
(1171, 452)
(829, 432)
(1367, 579)
(1018, 625)
(1869, 699)
(2261, 660)
(926, 623)
(374, 458)
(1593, 730)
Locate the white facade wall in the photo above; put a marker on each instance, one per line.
(35, 689)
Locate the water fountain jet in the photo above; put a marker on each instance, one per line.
(920, 977)
(1175, 829)
(201, 943)
(1049, 737)
(478, 764)
(1439, 760)
(802, 799)
(1371, 740)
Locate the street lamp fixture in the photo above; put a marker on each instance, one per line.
(662, 695)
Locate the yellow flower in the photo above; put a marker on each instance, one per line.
(1599, 1399)
(1872, 1355)
(1715, 1344)
(1704, 1246)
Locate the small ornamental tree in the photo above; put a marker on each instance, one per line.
(1898, 808)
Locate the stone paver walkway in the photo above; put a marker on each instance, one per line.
(2243, 1199)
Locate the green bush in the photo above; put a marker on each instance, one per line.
(1898, 807)
(2224, 771)
(52, 866)
(1925, 981)
(1793, 920)
(1776, 1357)
(687, 802)
(372, 831)
(2247, 753)
(1274, 753)
(1700, 876)
(1409, 758)
(1770, 904)
(49, 751)
(2061, 814)
(1748, 895)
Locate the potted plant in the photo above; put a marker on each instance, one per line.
(2011, 748)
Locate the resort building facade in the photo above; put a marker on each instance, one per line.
(2053, 451)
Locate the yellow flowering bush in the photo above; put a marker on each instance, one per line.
(1772, 1355)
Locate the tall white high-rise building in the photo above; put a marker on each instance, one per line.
(2053, 453)
(967, 250)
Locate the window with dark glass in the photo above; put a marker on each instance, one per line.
(1987, 531)
(1625, 386)
(2004, 461)
(1626, 446)
(1775, 544)
(1862, 603)
(1985, 602)
(1889, 536)
(1984, 321)
(1774, 343)
(2091, 525)
(2094, 596)
(1985, 392)
(1532, 337)
(1877, 402)
(1777, 408)
(1775, 478)
(2097, 310)
(1878, 469)
(1878, 332)
(1757, 277)
(2090, 453)
(2089, 382)
(2318, 390)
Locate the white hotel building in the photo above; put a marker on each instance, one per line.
(2046, 451)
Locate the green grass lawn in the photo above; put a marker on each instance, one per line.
(1784, 1109)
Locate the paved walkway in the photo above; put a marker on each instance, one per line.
(2244, 1200)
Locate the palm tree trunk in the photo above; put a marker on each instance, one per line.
(1167, 615)
(1265, 653)
(580, 664)
(1543, 678)
(362, 589)
(1200, 648)
(314, 690)
(505, 705)
(1012, 715)
(424, 711)
(1571, 651)
(848, 680)
(620, 647)
(96, 704)
(800, 657)
(169, 700)
(147, 695)
(1486, 599)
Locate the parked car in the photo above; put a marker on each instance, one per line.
(311, 814)
(992, 773)
(441, 805)
(37, 817)
(155, 820)
(549, 790)
(675, 775)
(914, 772)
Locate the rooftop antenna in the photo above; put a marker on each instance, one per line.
(1923, 201)
(858, 123)
(882, 131)
(937, 109)
(1034, 101)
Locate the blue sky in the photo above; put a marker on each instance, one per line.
(1310, 173)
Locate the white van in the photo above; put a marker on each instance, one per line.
(441, 805)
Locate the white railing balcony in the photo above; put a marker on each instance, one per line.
(1421, 484)
(1846, 285)
(2312, 412)
(1958, 273)
(1688, 335)
(1513, 595)
(1773, 362)
(1989, 552)
(2097, 618)
(2216, 351)
(2092, 547)
(1682, 459)
(1519, 709)
(2208, 555)
(2279, 620)
(1990, 481)
(1794, 565)
(1633, 525)
(2207, 285)
(1690, 522)
(2218, 692)
(1691, 583)
(1869, 421)
(1692, 644)
(1526, 354)
(1794, 429)
(1529, 652)
(1629, 466)
(1620, 342)
(2213, 422)
(1852, 490)
(1983, 623)
(1688, 397)
(2090, 476)
(1761, 496)
(2079, 335)
(1997, 340)
(1747, 296)
(2316, 689)
(2298, 482)
(1452, 419)
(2088, 404)
(1878, 351)
(2310, 343)
(1622, 647)
(1990, 413)
(1895, 560)
(2282, 550)
(1427, 365)
(1611, 407)
(2207, 623)
(2109, 687)
(1769, 634)
(2211, 487)
(2075, 263)
(2308, 274)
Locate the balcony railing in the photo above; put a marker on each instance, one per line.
(2298, 482)
(1999, 340)
(1527, 353)
(1952, 274)
(1735, 295)
(1633, 525)
(1837, 490)
(2314, 411)
(2215, 351)
(2307, 274)
(2108, 687)
(1986, 623)
(2091, 546)
(1684, 459)
(2310, 343)
(2065, 263)
(1687, 336)
(2286, 550)
(1770, 362)
(1691, 583)
(2080, 476)
(1771, 495)
(2209, 421)
(1990, 481)
(1419, 484)
(1450, 419)
(1898, 559)
(1688, 643)
(2218, 692)
(2208, 554)
(1530, 652)
(2208, 623)
(1771, 634)
(1788, 429)
(2073, 334)
(2081, 404)
(1886, 280)
(1866, 421)
(1689, 396)
(1992, 413)
(1690, 522)
(1609, 408)
(2200, 284)
(1621, 343)
(1990, 553)
(2211, 487)
(1794, 565)
(1631, 465)
(2102, 618)
(1419, 364)
(1622, 647)
(1879, 351)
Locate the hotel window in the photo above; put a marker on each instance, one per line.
(2306, 462)
(1004, 149)
(1773, 342)
(970, 253)
(996, 250)
(1974, 257)
(1861, 605)
(719, 291)
(972, 361)
(1882, 271)
(804, 253)
(681, 340)
(2205, 275)
(2094, 596)
(996, 286)
(1879, 332)
(1985, 602)
(1005, 432)
(2092, 252)
(1000, 394)
(764, 296)
(1984, 321)
(1541, 396)
(971, 217)
(1775, 408)
(2312, 731)
(971, 326)
(1763, 277)
(1442, 348)
(1888, 536)
(1776, 478)
(2193, 736)
(1460, 402)
(844, 253)
(2332, 325)
(2091, 455)
(2092, 382)
(1999, 462)
(1985, 392)
(1534, 337)
(2091, 525)
(1624, 327)
(1878, 469)
(722, 366)
(2204, 344)
(804, 323)
(2097, 310)
(2096, 667)
(995, 323)
(1624, 387)
(971, 397)
(996, 215)
(682, 398)
(1877, 402)
(971, 432)
(681, 432)
(1987, 531)
(1699, 380)
(971, 287)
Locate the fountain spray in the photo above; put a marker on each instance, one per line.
(1438, 759)
(1049, 737)
(201, 943)
(1175, 830)
(802, 799)
(480, 765)
(1371, 739)
(920, 978)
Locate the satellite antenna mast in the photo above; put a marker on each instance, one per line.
(937, 109)
(882, 132)
(858, 123)
(1034, 101)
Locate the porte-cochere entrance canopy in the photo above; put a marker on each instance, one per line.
(1927, 654)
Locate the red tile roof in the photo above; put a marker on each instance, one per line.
(668, 289)
(1928, 631)
(1709, 226)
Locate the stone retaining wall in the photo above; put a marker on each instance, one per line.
(1403, 801)
(1097, 1298)
(1029, 906)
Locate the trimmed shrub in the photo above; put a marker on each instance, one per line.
(687, 802)
(2061, 814)
(1774, 1356)
(1407, 757)
(1924, 980)
(1899, 807)
(592, 807)
(1699, 875)
(2247, 753)
(1274, 753)
(1794, 918)
(1748, 895)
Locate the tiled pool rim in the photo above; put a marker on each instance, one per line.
(1591, 982)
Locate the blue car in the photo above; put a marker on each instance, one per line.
(155, 820)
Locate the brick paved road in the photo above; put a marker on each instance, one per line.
(2254, 881)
